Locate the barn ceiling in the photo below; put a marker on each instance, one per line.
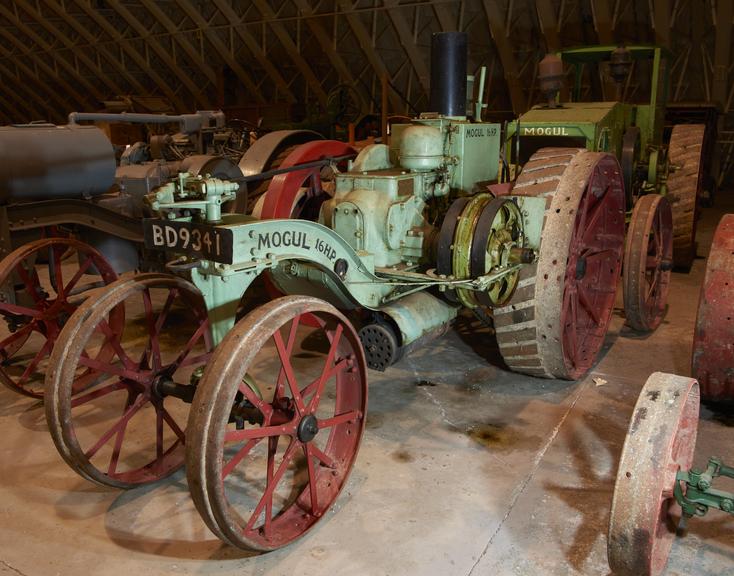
(58, 56)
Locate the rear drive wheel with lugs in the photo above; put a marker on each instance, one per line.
(556, 321)
(684, 187)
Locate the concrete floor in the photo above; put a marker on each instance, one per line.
(465, 469)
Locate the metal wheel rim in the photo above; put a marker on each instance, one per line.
(444, 253)
(647, 262)
(64, 393)
(713, 356)
(211, 410)
(48, 314)
(660, 441)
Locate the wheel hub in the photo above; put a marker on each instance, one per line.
(308, 428)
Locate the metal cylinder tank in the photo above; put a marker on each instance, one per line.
(46, 162)
(448, 73)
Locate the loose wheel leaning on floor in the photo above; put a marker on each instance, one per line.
(36, 301)
(276, 423)
(713, 339)
(554, 324)
(116, 398)
(648, 261)
(660, 441)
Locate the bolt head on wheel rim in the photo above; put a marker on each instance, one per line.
(276, 423)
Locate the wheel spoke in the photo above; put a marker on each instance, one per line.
(312, 487)
(326, 460)
(79, 273)
(31, 368)
(586, 305)
(237, 458)
(259, 432)
(265, 408)
(200, 331)
(597, 209)
(135, 375)
(272, 450)
(31, 284)
(172, 423)
(20, 310)
(127, 415)
(326, 371)
(58, 279)
(113, 340)
(270, 489)
(98, 393)
(339, 366)
(17, 335)
(290, 376)
(280, 385)
(153, 346)
(350, 416)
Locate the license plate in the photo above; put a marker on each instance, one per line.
(199, 240)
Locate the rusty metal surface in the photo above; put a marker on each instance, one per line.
(648, 262)
(130, 361)
(277, 412)
(660, 441)
(713, 339)
(534, 330)
(258, 156)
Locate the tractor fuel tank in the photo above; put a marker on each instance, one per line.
(46, 162)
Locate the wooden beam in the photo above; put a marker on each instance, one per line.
(405, 37)
(191, 52)
(603, 21)
(92, 40)
(181, 76)
(40, 61)
(548, 24)
(507, 57)
(365, 42)
(324, 41)
(722, 52)
(445, 16)
(224, 53)
(80, 53)
(252, 45)
(661, 15)
(18, 87)
(290, 47)
(128, 49)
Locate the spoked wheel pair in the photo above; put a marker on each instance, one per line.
(660, 442)
(277, 414)
(41, 284)
(555, 323)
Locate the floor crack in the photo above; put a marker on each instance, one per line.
(520, 489)
(13, 568)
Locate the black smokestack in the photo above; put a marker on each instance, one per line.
(448, 73)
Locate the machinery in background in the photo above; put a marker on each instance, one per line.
(653, 160)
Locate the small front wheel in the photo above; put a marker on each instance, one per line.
(276, 423)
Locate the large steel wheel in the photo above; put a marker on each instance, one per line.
(299, 194)
(118, 418)
(555, 322)
(648, 260)
(276, 423)
(685, 180)
(660, 441)
(713, 339)
(36, 300)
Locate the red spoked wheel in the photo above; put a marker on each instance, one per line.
(299, 194)
(713, 349)
(555, 322)
(276, 423)
(118, 419)
(660, 441)
(36, 301)
(648, 260)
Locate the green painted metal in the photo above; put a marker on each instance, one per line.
(419, 314)
(699, 495)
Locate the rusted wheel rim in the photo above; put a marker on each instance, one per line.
(592, 268)
(108, 414)
(43, 303)
(299, 194)
(713, 353)
(660, 441)
(300, 396)
(647, 262)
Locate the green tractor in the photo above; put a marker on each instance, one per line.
(634, 133)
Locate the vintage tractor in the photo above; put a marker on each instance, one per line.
(278, 394)
(634, 134)
(65, 204)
